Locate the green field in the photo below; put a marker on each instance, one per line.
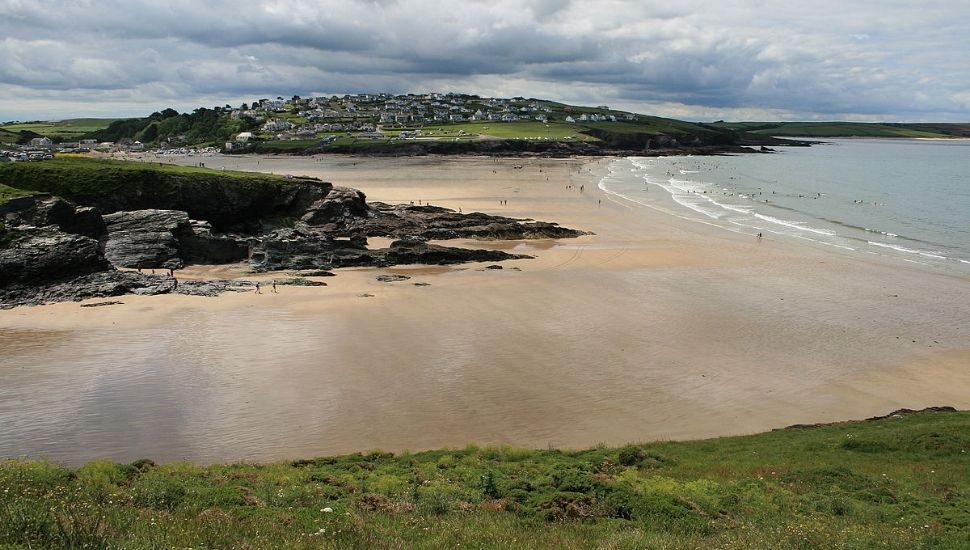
(65, 129)
(900, 482)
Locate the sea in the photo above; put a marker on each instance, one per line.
(905, 199)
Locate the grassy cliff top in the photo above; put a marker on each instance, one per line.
(78, 177)
(899, 482)
(225, 198)
(850, 129)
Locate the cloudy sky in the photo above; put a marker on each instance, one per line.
(698, 60)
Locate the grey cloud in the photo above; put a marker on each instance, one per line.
(692, 56)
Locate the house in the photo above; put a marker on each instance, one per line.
(244, 137)
(277, 125)
(570, 119)
(41, 143)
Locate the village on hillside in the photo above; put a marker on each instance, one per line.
(356, 117)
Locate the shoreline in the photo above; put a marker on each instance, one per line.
(651, 329)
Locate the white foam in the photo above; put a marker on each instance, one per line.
(795, 225)
(909, 250)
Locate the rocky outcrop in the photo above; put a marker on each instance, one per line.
(34, 256)
(201, 245)
(305, 248)
(94, 285)
(74, 255)
(416, 251)
(437, 223)
(337, 210)
(45, 210)
(146, 238)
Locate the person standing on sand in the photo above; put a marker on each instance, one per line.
(274, 287)
(257, 288)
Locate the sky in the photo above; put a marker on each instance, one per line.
(864, 60)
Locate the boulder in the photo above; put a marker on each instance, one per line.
(297, 249)
(33, 256)
(337, 210)
(200, 244)
(146, 238)
(43, 210)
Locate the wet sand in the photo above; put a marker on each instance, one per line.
(653, 328)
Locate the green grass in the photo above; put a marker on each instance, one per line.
(7, 193)
(891, 483)
(81, 178)
(66, 129)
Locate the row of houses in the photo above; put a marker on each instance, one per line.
(405, 109)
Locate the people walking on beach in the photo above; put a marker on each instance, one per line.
(257, 289)
(171, 272)
(759, 236)
(274, 287)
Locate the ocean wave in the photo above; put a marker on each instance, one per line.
(801, 226)
(898, 248)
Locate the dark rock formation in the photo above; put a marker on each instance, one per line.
(300, 248)
(43, 210)
(102, 284)
(74, 255)
(392, 278)
(434, 222)
(41, 255)
(337, 210)
(201, 245)
(146, 238)
(299, 281)
(411, 251)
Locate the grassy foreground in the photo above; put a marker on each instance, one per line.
(900, 482)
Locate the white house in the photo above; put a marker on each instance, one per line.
(41, 143)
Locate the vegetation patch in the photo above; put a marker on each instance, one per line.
(806, 488)
(7, 192)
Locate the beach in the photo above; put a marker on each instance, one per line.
(652, 327)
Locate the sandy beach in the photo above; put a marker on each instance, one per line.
(653, 327)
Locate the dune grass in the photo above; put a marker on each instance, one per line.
(900, 482)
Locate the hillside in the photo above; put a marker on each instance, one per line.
(897, 482)
(850, 129)
(388, 124)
